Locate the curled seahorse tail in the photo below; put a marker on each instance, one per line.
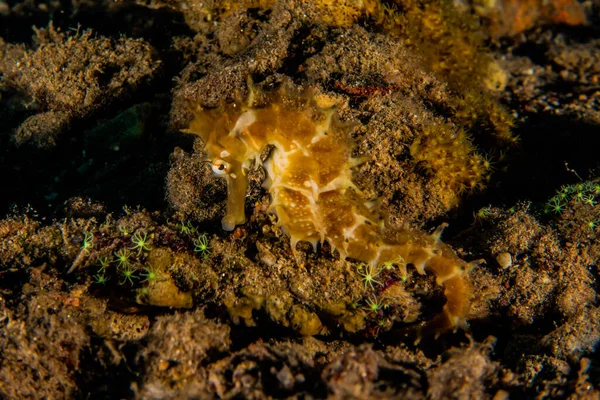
(452, 275)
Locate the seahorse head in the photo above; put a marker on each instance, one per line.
(228, 151)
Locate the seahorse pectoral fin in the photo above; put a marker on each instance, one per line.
(237, 183)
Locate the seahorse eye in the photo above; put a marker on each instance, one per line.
(220, 167)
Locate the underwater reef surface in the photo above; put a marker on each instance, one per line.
(246, 199)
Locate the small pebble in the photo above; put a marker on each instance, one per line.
(504, 260)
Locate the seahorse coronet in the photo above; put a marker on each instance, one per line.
(310, 181)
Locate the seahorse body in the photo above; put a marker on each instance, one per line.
(312, 193)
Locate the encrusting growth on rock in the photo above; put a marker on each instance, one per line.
(309, 178)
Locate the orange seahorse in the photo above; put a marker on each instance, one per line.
(312, 193)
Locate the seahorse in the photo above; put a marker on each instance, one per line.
(309, 178)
